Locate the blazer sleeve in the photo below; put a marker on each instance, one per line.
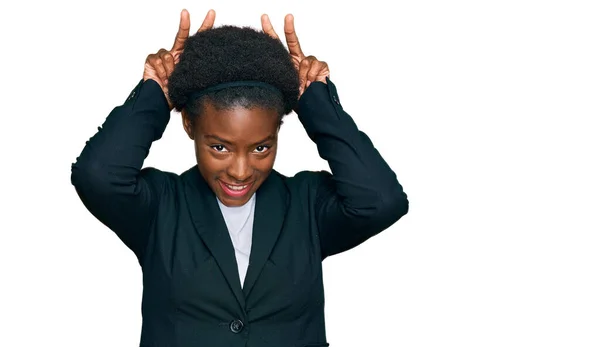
(108, 175)
(362, 196)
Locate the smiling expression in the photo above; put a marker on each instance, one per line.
(235, 149)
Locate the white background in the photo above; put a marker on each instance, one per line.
(486, 110)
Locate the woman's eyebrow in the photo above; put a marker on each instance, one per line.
(218, 139)
(268, 138)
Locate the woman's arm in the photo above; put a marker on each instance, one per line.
(362, 196)
(108, 175)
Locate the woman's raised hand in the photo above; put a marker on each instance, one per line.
(160, 65)
(309, 68)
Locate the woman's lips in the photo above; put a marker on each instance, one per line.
(235, 191)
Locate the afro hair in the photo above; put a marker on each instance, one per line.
(228, 54)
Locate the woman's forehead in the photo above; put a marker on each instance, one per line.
(239, 124)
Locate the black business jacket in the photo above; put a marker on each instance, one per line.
(192, 294)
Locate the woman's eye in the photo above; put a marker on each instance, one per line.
(261, 149)
(219, 148)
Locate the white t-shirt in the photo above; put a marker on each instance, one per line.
(239, 221)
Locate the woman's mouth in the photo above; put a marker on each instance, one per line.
(235, 190)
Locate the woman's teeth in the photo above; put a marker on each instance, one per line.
(236, 187)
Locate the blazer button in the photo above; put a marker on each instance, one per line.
(236, 326)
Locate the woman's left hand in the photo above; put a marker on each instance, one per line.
(309, 68)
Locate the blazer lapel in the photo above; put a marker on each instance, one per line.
(210, 225)
(272, 201)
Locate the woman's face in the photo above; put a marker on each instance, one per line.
(235, 149)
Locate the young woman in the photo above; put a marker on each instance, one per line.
(231, 250)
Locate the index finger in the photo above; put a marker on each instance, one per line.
(268, 27)
(183, 32)
(291, 38)
(208, 21)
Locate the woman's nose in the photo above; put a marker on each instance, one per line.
(240, 169)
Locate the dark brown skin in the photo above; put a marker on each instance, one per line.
(160, 65)
(234, 146)
(309, 68)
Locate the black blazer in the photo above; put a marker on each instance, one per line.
(192, 294)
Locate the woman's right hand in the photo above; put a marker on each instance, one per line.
(160, 65)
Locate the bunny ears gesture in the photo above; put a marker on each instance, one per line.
(184, 31)
(309, 68)
(160, 65)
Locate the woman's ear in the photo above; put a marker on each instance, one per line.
(188, 124)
